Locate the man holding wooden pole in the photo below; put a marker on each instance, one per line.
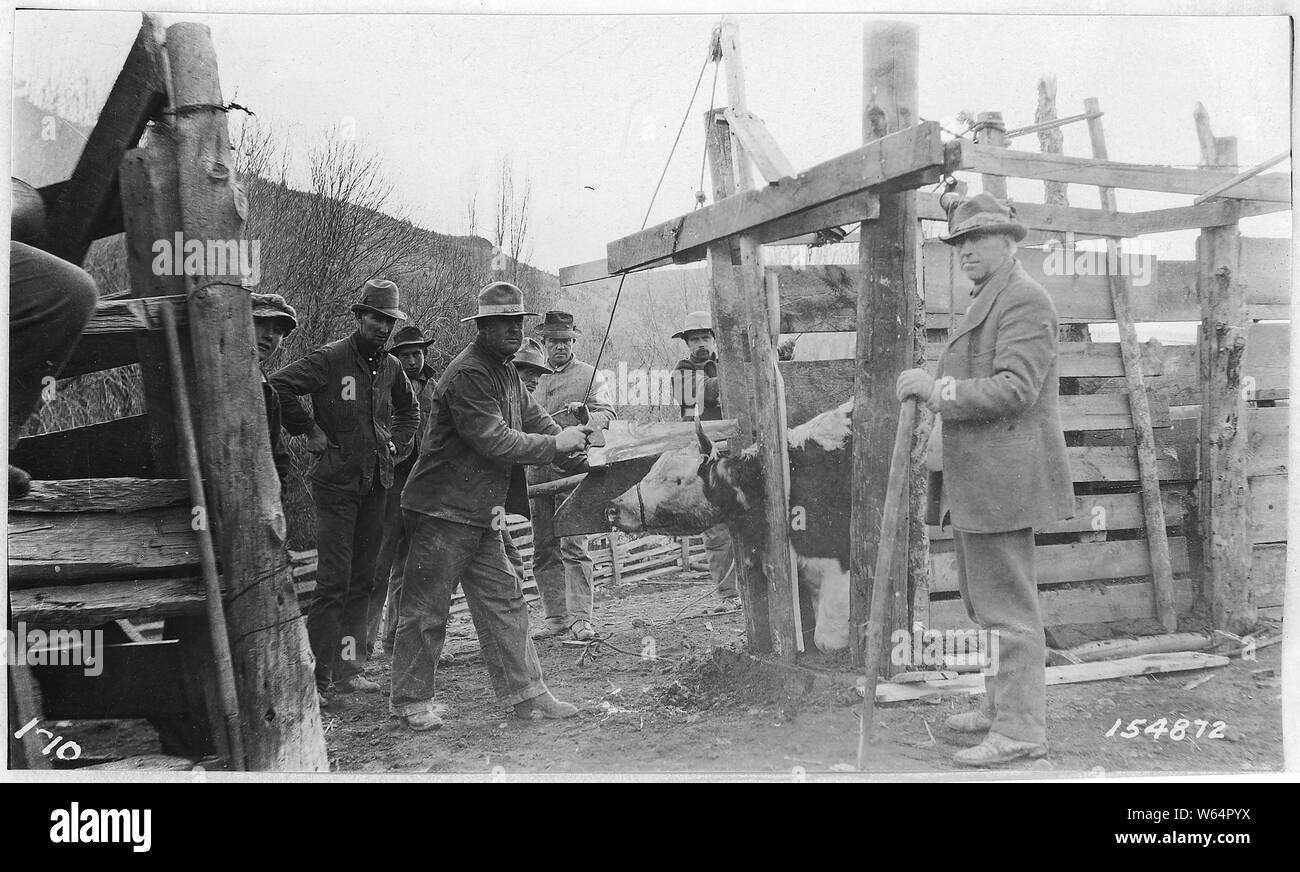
(1005, 468)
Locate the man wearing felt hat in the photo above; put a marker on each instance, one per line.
(364, 416)
(410, 348)
(483, 428)
(572, 393)
(1004, 465)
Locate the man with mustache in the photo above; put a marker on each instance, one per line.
(483, 428)
(1004, 465)
(364, 414)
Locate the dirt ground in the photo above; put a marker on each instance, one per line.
(693, 712)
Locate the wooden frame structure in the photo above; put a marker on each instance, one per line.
(134, 554)
(901, 296)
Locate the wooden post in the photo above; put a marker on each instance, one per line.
(1225, 491)
(729, 323)
(1050, 140)
(887, 305)
(615, 570)
(273, 664)
(990, 130)
(1153, 511)
(768, 425)
(684, 543)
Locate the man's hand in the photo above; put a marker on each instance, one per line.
(915, 383)
(571, 439)
(576, 409)
(317, 442)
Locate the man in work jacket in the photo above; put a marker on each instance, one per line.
(482, 429)
(1005, 469)
(697, 386)
(570, 392)
(410, 348)
(365, 414)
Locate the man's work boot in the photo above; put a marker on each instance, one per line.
(970, 722)
(997, 748)
(582, 631)
(357, 683)
(418, 716)
(551, 627)
(544, 706)
(20, 483)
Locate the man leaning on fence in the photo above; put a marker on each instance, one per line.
(483, 427)
(364, 415)
(1004, 468)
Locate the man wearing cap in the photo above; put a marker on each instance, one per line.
(572, 393)
(698, 388)
(273, 319)
(364, 415)
(410, 348)
(1004, 465)
(483, 426)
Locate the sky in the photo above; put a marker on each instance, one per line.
(586, 107)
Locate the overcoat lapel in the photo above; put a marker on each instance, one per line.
(979, 310)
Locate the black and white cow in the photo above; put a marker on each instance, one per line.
(689, 490)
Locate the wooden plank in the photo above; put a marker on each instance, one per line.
(990, 160)
(1265, 373)
(1213, 214)
(1101, 513)
(1267, 581)
(67, 548)
(139, 680)
(102, 495)
(1222, 189)
(114, 449)
(1266, 451)
(89, 605)
(1268, 508)
(1091, 359)
(1076, 561)
(759, 146)
(653, 439)
(900, 161)
(1116, 463)
(110, 339)
(273, 664)
(136, 96)
(1144, 664)
(1087, 604)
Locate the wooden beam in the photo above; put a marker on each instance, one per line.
(773, 551)
(887, 342)
(900, 161)
(1120, 294)
(273, 665)
(1225, 495)
(985, 159)
(68, 548)
(111, 338)
(1215, 214)
(759, 145)
(651, 440)
(1076, 561)
(136, 96)
(1220, 190)
(1098, 513)
(89, 605)
(101, 495)
(1095, 603)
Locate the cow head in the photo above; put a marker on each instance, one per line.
(688, 490)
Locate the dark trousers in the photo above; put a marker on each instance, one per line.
(389, 567)
(995, 572)
(50, 303)
(442, 553)
(349, 527)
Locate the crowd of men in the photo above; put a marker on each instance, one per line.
(415, 473)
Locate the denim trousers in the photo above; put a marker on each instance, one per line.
(443, 552)
(561, 566)
(349, 527)
(995, 573)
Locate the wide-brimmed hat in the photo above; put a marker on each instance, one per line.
(531, 354)
(380, 295)
(694, 322)
(409, 335)
(557, 325)
(499, 298)
(983, 213)
(274, 306)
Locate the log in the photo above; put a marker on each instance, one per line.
(1110, 649)
(68, 548)
(887, 309)
(1225, 495)
(273, 664)
(89, 605)
(101, 495)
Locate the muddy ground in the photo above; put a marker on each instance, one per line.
(693, 712)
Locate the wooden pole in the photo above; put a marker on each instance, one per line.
(273, 664)
(992, 131)
(615, 570)
(216, 612)
(883, 571)
(1153, 511)
(1225, 490)
(684, 544)
(887, 315)
(768, 425)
